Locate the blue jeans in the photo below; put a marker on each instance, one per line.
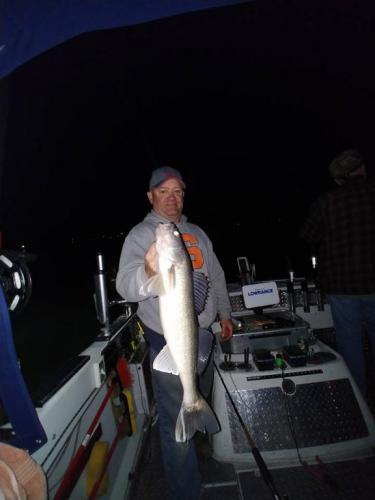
(180, 461)
(352, 316)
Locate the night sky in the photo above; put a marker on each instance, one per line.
(250, 102)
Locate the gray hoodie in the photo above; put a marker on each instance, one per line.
(131, 274)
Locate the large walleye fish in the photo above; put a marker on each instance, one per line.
(179, 306)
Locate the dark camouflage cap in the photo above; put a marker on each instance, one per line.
(345, 163)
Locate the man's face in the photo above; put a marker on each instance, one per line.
(167, 199)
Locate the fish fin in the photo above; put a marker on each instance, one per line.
(198, 417)
(201, 286)
(205, 346)
(153, 287)
(164, 362)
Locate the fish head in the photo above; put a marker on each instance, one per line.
(169, 243)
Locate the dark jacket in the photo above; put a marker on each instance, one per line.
(341, 223)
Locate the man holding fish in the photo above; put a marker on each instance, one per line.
(169, 267)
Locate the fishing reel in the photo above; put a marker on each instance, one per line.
(15, 279)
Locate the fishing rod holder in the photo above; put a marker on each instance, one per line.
(103, 304)
(101, 296)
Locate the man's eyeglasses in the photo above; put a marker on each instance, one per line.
(164, 192)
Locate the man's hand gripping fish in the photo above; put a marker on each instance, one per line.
(179, 307)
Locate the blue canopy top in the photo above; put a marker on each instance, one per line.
(30, 28)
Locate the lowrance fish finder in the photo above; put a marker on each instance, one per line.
(258, 295)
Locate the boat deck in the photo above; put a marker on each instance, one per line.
(342, 480)
(353, 479)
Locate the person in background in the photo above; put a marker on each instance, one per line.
(341, 225)
(137, 264)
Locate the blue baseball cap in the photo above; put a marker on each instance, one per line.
(162, 174)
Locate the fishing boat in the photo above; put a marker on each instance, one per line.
(87, 423)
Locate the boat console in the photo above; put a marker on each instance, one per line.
(293, 392)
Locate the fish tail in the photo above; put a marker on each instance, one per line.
(197, 417)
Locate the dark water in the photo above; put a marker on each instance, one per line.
(59, 321)
(46, 335)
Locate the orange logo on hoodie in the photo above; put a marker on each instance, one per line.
(195, 253)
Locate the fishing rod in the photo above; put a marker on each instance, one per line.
(265, 473)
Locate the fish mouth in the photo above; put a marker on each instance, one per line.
(169, 242)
